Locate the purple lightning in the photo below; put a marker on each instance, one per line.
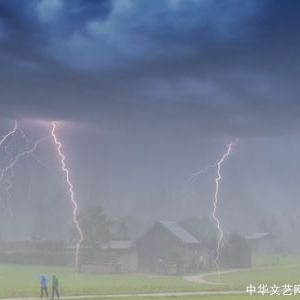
(194, 176)
(8, 183)
(216, 199)
(19, 156)
(14, 159)
(4, 138)
(71, 191)
(33, 156)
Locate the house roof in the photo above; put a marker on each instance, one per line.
(118, 244)
(258, 235)
(179, 232)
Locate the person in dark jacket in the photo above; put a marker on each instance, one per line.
(55, 287)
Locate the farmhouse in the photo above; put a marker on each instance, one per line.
(166, 247)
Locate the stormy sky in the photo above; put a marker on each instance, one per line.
(149, 92)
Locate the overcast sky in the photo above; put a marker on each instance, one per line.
(152, 91)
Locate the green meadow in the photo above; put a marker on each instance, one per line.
(22, 280)
(266, 270)
(229, 297)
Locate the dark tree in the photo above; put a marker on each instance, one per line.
(95, 226)
(40, 220)
(274, 227)
(123, 233)
(263, 225)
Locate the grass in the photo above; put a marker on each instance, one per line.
(231, 297)
(22, 280)
(267, 270)
(276, 275)
(275, 260)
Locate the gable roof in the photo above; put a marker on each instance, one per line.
(258, 235)
(179, 232)
(118, 244)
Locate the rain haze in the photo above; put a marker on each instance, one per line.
(145, 95)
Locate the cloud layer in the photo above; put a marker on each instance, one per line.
(231, 67)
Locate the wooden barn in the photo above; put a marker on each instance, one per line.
(167, 247)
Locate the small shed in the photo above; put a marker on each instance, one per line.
(125, 254)
(116, 256)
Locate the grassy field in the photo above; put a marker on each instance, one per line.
(267, 270)
(275, 275)
(22, 280)
(19, 280)
(236, 297)
(275, 260)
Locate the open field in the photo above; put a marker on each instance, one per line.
(210, 298)
(272, 275)
(19, 280)
(22, 280)
(218, 297)
(275, 260)
(267, 270)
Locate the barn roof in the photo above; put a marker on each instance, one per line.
(179, 232)
(118, 244)
(258, 235)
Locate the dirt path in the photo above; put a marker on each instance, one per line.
(200, 278)
(163, 294)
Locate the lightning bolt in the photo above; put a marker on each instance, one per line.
(19, 156)
(194, 176)
(10, 168)
(216, 198)
(8, 184)
(5, 137)
(33, 156)
(71, 191)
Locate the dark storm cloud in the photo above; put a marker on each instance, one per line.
(160, 80)
(26, 31)
(231, 66)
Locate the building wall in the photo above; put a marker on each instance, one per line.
(264, 245)
(128, 262)
(111, 261)
(159, 251)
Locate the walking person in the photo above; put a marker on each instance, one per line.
(55, 287)
(44, 285)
